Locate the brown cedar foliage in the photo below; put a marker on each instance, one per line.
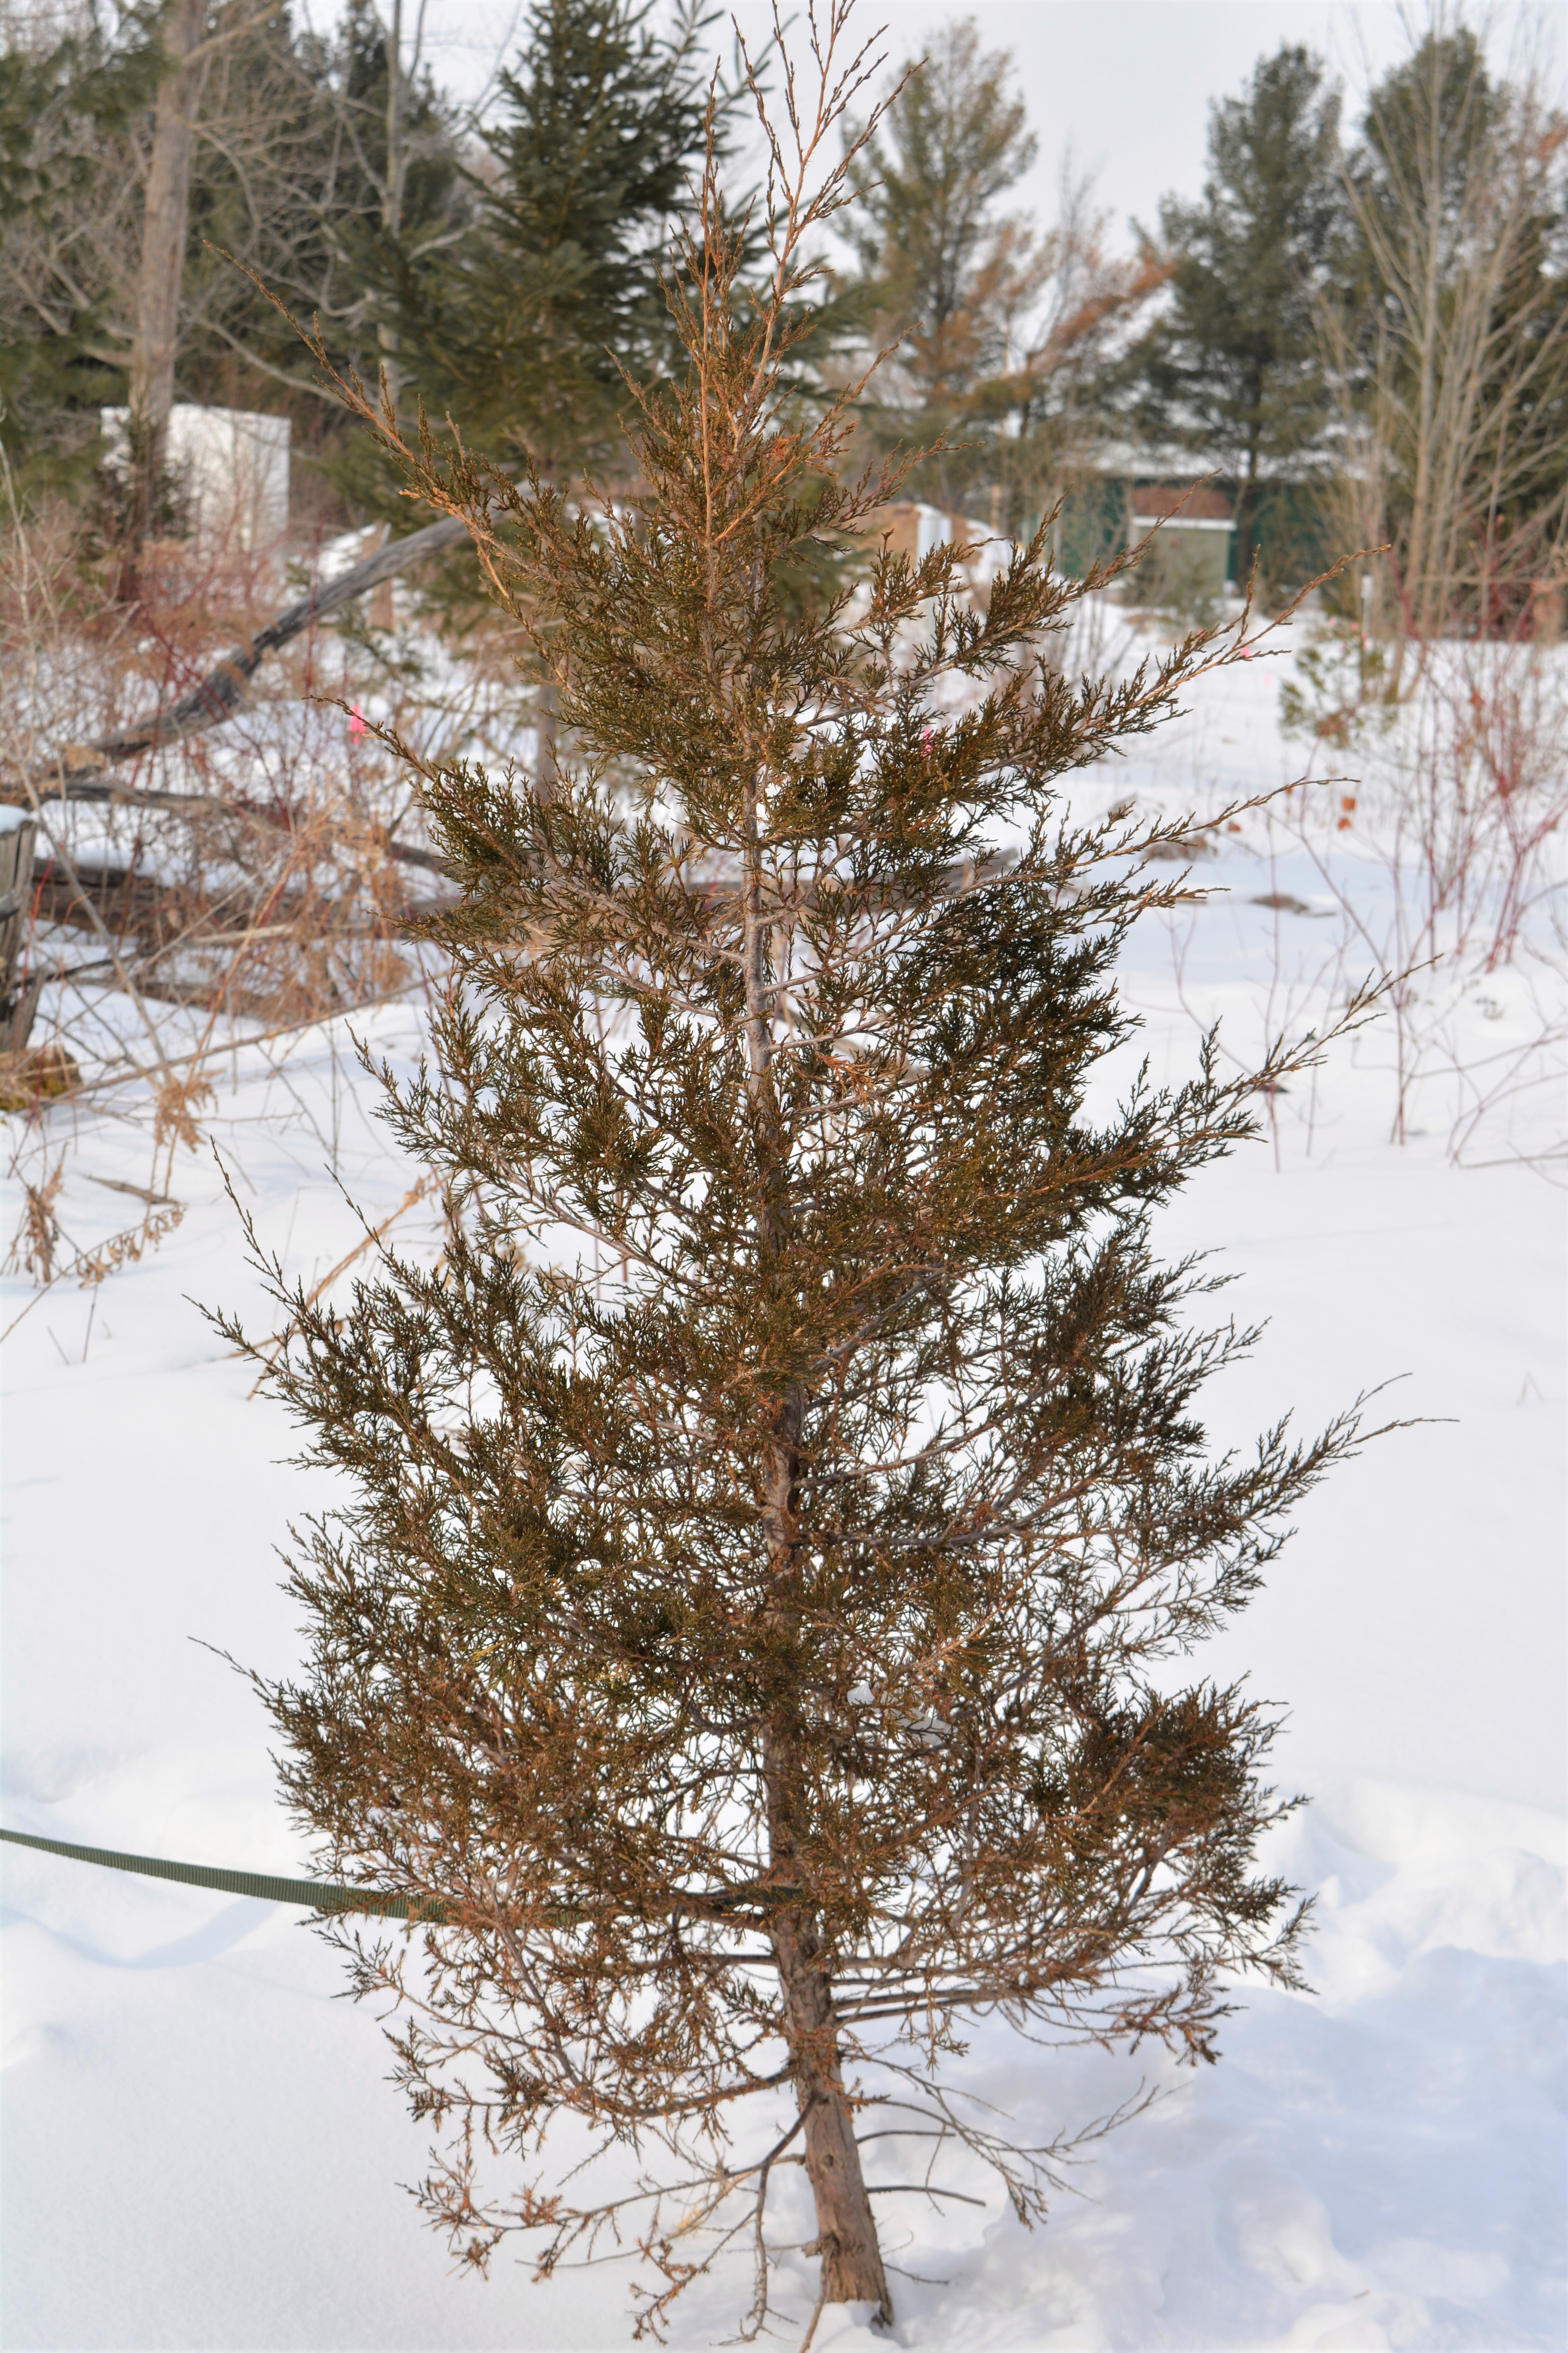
(765, 1530)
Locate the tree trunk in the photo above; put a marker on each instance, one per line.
(846, 2245)
(550, 749)
(1246, 521)
(164, 231)
(392, 188)
(18, 1001)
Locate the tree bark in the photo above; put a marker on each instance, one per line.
(164, 225)
(1246, 492)
(851, 2259)
(846, 2245)
(393, 186)
(19, 1002)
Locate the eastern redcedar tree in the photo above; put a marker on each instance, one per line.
(767, 1532)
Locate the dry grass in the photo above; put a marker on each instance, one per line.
(38, 1237)
(1444, 858)
(36, 1076)
(276, 880)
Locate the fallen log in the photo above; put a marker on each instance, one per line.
(156, 915)
(87, 775)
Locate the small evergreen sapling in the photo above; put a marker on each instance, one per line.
(767, 1531)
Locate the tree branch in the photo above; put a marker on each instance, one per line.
(222, 691)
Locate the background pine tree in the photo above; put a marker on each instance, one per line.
(68, 106)
(942, 273)
(521, 326)
(766, 1535)
(1234, 366)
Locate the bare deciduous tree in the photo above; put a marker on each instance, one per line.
(1451, 355)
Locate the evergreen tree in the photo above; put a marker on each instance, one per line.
(942, 273)
(766, 1535)
(1429, 120)
(70, 107)
(287, 172)
(1233, 367)
(521, 326)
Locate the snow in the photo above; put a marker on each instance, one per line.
(200, 2148)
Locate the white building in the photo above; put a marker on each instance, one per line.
(232, 466)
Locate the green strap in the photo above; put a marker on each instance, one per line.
(325, 1895)
(320, 1895)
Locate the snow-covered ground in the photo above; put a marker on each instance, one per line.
(199, 2146)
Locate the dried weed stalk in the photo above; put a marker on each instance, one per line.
(128, 1249)
(1444, 857)
(38, 1237)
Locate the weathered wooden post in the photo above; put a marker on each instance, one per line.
(18, 1000)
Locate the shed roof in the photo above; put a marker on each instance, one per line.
(1201, 503)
